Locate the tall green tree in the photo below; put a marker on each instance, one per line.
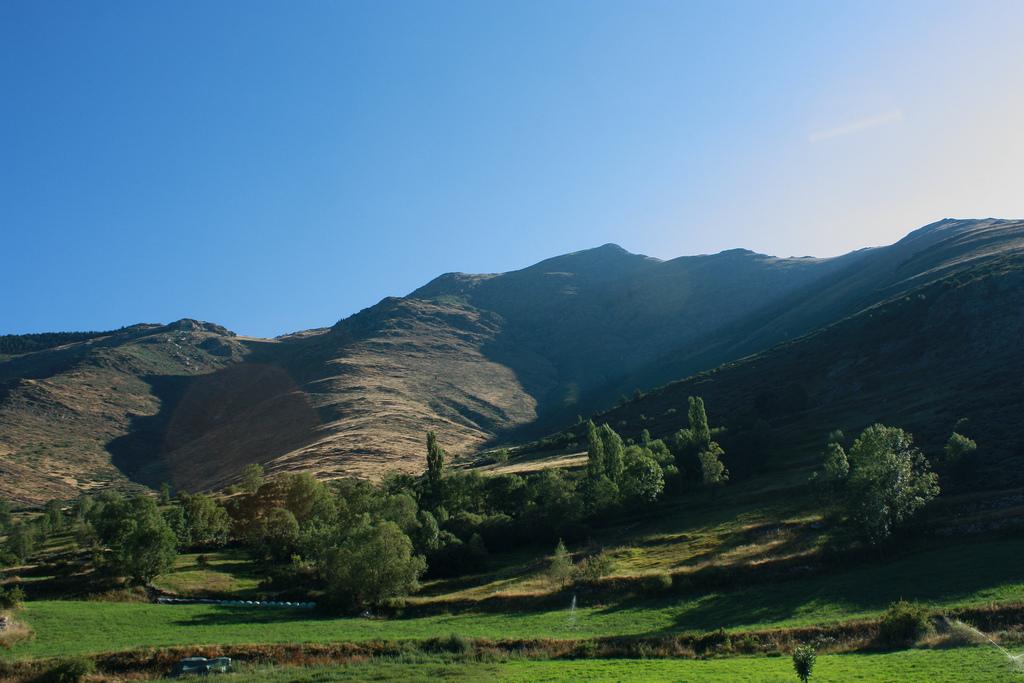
(595, 452)
(890, 481)
(699, 428)
(560, 570)
(21, 541)
(53, 515)
(5, 514)
(435, 461)
(147, 546)
(614, 452)
(835, 465)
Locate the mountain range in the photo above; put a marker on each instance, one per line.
(923, 332)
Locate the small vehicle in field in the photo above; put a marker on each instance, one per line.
(201, 666)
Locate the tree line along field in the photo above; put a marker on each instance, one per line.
(680, 563)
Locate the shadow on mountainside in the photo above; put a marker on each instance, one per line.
(210, 426)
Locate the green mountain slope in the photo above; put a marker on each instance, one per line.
(944, 343)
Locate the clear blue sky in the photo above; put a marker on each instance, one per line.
(278, 166)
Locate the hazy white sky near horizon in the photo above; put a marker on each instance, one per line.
(276, 166)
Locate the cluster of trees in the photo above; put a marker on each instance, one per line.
(22, 536)
(364, 543)
(880, 483)
(635, 473)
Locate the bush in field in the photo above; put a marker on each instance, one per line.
(595, 567)
(960, 455)
(5, 515)
(70, 670)
(804, 657)
(11, 598)
(903, 624)
(656, 584)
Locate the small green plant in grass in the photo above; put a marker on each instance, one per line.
(903, 624)
(560, 570)
(804, 657)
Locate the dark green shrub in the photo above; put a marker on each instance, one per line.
(804, 657)
(454, 643)
(70, 670)
(656, 584)
(902, 624)
(11, 597)
(593, 568)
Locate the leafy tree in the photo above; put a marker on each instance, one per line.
(252, 477)
(374, 563)
(804, 657)
(601, 494)
(402, 510)
(712, 470)
(689, 443)
(5, 515)
(53, 516)
(595, 452)
(142, 543)
(165, 493)
(890, 480)
(21, 541)
(307, 498)
(642, 477)
(175, 518)
(614, 451)
(279, 533)
(81, 507)
(427, 537)
(207, 523)
(835, 465)
(560, 570)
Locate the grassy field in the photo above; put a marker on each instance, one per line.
(980, 665)
(222, 573)
(975, 574)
